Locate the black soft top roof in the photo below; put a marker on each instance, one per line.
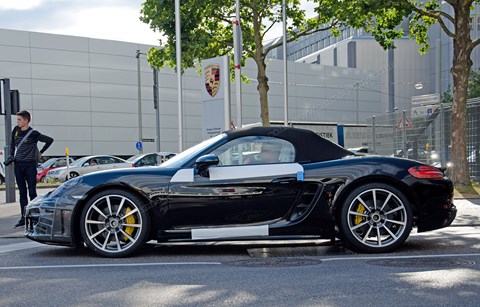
(309, 146)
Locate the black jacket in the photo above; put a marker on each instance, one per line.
(27, 152)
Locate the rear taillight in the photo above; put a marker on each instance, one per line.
(133, 164)
(426, 172)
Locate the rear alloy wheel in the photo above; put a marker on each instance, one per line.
(114, 223)
(376, 218)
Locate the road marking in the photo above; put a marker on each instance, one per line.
(401, 257)
(19, 246)
(71, 266)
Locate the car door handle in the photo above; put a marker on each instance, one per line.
(284, 180)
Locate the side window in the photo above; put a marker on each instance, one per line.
(255, 150)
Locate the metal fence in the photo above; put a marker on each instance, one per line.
(426, 138)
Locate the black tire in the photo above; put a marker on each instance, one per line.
(72, 175)
(114, 223)
(376, 218)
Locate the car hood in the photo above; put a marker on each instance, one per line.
(147, 179)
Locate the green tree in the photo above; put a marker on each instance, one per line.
(206, 32)
(474, 84)
(382, 20)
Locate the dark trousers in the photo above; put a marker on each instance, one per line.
(26, 174)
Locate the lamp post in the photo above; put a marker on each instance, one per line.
(140, 136)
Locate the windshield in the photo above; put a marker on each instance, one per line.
(79, 162)
(180, 159)
(132, 158)
(47, 163)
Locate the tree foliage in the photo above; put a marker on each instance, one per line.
(383, 19)
(474, 84)
(206, 32)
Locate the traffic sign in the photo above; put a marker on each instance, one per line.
(423, 111)
(408, 125)
(139, 146)
(430, 99)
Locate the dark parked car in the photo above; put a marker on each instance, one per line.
(292, 184)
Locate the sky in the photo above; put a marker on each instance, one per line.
(104, 19)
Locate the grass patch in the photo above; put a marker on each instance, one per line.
(467, 191)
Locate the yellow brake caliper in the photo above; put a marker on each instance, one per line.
(129, 220)
(360, 209)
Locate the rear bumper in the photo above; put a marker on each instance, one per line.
(438, 220)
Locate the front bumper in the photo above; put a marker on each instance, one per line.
(48, 220)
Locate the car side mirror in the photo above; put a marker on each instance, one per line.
(204, 162)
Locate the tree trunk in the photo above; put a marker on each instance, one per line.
(263, 91)
(460, 71)
(259, 58)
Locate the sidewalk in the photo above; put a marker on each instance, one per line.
(10, 214)
(468, 214)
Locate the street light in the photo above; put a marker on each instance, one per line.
(140, 136)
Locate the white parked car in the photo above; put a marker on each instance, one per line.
(87, 165)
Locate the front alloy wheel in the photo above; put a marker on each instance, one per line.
(376, 218)
(114, 223)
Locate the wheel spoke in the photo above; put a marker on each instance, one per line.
(119, 248)
(363, 203)
(109, 205)
(99, 211)
(128, 236)
(379, 236)
(121, 205)
(394, 210)
(359, 225)
(357, 213)
(91, 237)
(106, 241)
(367, 234)
(94, 222)
(386, 200)
(129, 213)
(395, 222)
(390, 232)
(132, 225)
(374, 194)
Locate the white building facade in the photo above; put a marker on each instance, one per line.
(83, 93)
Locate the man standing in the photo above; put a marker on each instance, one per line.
(25, 155)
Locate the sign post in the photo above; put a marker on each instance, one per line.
(9, 175)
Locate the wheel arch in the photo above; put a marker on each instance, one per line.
(75, 226)
(347, 189)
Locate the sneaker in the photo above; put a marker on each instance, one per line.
(21, 223)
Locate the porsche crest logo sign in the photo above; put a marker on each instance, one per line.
(212, 79)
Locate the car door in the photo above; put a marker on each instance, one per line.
(89, 166)
(241, 191)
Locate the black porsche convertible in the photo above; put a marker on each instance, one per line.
(248, 184)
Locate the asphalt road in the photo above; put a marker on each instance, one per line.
(439, 268)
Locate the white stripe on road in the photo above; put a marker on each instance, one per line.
(401, 257)
(71, 266)
(219, 263)
(19, 246)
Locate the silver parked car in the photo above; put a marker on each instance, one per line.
(87, 165)
(150, 159)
